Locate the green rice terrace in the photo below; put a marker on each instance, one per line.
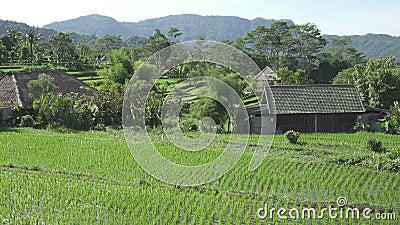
(57, 177)
(90, 77)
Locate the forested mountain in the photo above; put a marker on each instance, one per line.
(91, 24)
(374, 45)
(6, 25)
(86, 28)
(193, 26)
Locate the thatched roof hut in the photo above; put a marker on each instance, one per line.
(14, 90)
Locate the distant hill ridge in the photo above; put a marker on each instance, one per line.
(193, 26)
(6, 25)
(216, 28)
(374, 45)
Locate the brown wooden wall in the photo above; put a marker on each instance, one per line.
(327, 123)
(297, 122)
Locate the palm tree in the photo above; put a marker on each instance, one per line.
(31, 38)
(174, 33)
(15, 36)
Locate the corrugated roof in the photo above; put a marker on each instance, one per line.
(14, 86)
(315, 99)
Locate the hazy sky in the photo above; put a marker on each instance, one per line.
(332, 17)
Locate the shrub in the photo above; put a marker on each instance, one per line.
(392, 123)
(26, 121)
(189, 125)
(393, 166)
(375, 145)
(108, 101)
(349, 160)
(360, 127)
(292, 136)
(394, 153)
(69, 111)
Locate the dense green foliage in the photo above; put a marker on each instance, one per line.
(43, 85)
(375, 145)
(378, 81)
(108, 101)
(392, 123)
(70, 111)
(120, 69)
(292, 136)
(91, 177)
(73, 111)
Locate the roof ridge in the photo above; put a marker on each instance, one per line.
(312, 85)
(16, 72)
(19, 101)
(325, 98)
(359, 98)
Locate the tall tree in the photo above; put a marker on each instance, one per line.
(15, 36)
(299, 77)
(63, 48)
(173, 33)
(256, 45)
(135, 42)
(31, 38)
(308, 44)
(281, 45)
(378, 81)
(108, 43)
(120, 69)
(3, 52)
(43, 51)
(340, 56)
(156, 42)
(83, 50)
(343, 51)
(279, 36)
(7, 41)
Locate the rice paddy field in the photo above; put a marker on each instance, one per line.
(53, 177)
